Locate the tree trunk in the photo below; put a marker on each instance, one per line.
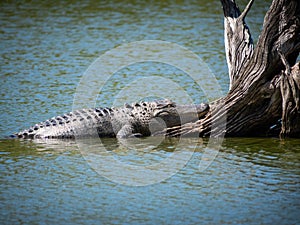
(263, 99)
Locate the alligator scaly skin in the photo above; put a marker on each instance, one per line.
(130, 120)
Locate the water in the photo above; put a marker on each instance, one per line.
(250, 181)
(45, 49)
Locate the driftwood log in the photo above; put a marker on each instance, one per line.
(263, 99)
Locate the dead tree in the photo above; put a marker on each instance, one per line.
(263, 99)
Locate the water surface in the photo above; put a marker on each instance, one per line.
(250, 181)
(45, 49)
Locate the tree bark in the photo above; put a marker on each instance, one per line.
(263, 99)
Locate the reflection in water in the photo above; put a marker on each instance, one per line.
(56, 181)
(137, 162)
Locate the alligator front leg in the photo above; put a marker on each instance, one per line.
(127, 131)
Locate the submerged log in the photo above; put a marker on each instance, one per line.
(263, 99)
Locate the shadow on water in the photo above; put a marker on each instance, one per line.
(271, 152)
(264, 151)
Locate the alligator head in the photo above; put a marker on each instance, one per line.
(175, 115)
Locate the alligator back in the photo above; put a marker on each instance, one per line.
(98, 122)
(81, 123)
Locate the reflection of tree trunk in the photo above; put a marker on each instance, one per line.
(264, 80)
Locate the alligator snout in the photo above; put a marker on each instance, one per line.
(180, 114)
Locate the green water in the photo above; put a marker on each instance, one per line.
(46, 48)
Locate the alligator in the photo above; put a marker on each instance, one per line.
(137, 119)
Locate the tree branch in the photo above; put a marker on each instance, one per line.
(238, 41)
(265, 81)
